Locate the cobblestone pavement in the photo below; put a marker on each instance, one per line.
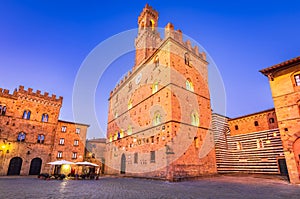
(106, 187)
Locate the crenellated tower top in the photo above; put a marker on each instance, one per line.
(29, 94)
(148, 38)
(148, 18)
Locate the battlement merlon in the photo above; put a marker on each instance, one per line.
(150, 11)
(6, 93)
(177, 36)
(120, 83)
(38, 94)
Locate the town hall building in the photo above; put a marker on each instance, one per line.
(159, 119)
(160, 122)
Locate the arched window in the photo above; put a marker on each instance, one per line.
(156, 61)
(129, 86)
(271, 120)
(45, 117)
(195, 119)
(154, 87)
(152, 24)
(196, 142)
(41, 138)
(142, 25)
(21, 137)
(2, 110)
(129, 104)
(187, 59)
(259, 143)
(236, 127)
(26, 115)
(256, 123)
(157, 119)
(116, 136)
(189, 85)
(121, 134)
(129, 130)
(239, 146)
(297, 79)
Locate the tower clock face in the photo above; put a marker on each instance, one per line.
(138, 78)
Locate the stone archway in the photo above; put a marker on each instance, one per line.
(35, 166)
(123, 164)
(15, 165)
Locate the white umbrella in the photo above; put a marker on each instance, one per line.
(60, 162)
(86, 164)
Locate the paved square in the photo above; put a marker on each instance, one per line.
(217, 187)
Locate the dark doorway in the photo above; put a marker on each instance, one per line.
(15, 165)
(57, 169)
(282, 167)
(35, 166)
(123, 164)
(102, 165)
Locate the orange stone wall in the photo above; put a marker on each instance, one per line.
(182, 149)
(12, 123)
(246, 123)
(68, 148)
(286, 96)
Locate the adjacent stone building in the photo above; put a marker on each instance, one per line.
(266, 142)
(159, 119)
(30, 133)
(284, 80)
(95, 153)
(249, 144)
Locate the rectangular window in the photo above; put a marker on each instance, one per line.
(297, 79)
(76, 142)
(77, 130)
(60, 154)
(136, 158)
(63, 129)
(74, 155)
(62, 141)
(152, 156)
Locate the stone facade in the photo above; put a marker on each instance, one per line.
(28, 131)
(159, 119)
(261, 121)
(95, 153)
(70, 139)
(284, 80)
(248, 144)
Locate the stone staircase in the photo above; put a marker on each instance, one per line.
(251, 158)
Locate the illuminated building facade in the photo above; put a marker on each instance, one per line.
(284, 80)
(160, 115)
(31, 133)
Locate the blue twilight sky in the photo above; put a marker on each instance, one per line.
(43, 43)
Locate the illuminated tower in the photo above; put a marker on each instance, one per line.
(159, 114)
(148, 38)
